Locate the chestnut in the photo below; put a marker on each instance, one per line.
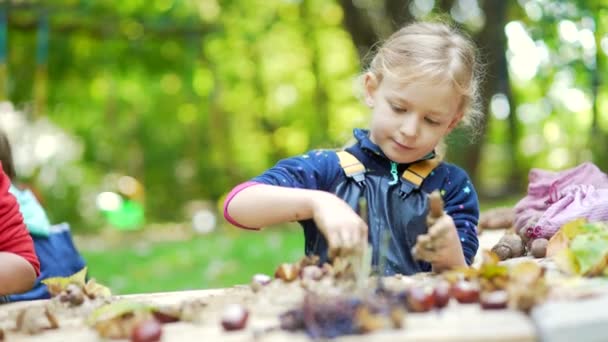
(234, 317)
(465, 291)
(420, 299)
(494, 300)
(441, 292)
(149, 330)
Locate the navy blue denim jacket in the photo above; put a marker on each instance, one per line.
(320, 170)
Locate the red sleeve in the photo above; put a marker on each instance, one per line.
(14, 237)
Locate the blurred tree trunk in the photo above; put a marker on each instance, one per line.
(368, 25)
(491, 42)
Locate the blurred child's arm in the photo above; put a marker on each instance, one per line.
(19, 263)
(16, 274)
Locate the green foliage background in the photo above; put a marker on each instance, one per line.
(193, 97)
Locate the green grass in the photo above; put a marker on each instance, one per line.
(220, 259)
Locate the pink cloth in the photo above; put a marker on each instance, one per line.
(555, 198)
(229, 198)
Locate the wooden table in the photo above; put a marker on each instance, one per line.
(455, 323)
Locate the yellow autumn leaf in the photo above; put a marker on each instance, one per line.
(573, 228)
(58, 284)
(116, 309)
(564, 235)
(566, 262)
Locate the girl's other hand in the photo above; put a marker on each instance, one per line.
(339, 223)
(448, 249)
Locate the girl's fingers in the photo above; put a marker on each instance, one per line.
(345, 238)
(363, 233)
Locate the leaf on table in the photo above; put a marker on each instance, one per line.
(94, 289)
(557, 243)
(57, 284)
(591, 252)
(116, 309)
(565, 260)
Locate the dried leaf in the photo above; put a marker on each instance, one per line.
(590, 251)
(573, 228)
(34, 320)
(566, 262)
(557, 243)
(116, 309)
(57, 284)
(117, 320)
(94, 290)
(527, 286)
(526, 271)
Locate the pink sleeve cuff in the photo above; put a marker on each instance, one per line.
(229, 198)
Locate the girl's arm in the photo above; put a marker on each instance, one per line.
(261, 205)
(17, 275)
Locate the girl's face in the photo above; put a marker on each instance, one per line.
(408, 121)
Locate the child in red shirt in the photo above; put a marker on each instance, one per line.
(19, 265)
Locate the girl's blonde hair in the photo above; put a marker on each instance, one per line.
(433, 51)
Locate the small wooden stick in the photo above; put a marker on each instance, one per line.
(425, 247)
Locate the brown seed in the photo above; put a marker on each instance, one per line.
(420, 299)
(149, 330)
(234, 317)
(494, 300)
(502, 251)
(539, 248)
(441, 293)
(260, 280)
(466, 292)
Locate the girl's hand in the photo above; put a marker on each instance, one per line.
(447, 253)
(339, 223)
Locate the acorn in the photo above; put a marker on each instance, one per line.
(509, 246)
(539, 247)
